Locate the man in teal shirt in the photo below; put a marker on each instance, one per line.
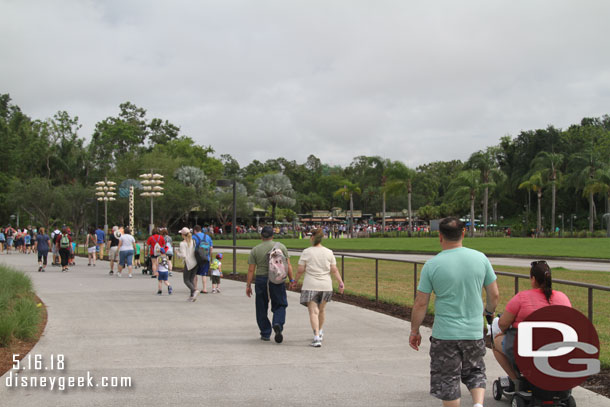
(457, 276)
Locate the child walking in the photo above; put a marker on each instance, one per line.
(163, 274)
(216, 267)
(136, 256)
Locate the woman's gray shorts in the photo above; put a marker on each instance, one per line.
(308, 296)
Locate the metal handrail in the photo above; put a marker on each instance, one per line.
(516, 276)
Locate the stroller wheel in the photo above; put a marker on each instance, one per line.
(571, 402)
(517, 401)
(497, 390)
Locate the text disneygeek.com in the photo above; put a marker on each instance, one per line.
(36, 363)
(61, 383)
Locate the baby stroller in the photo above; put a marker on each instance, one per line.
(528, 394)
(147, 269)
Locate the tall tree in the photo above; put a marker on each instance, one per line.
(468, 183)
(549, 165)
(400, 178)
(274, 190)
(347, 192)
(486, 163)
(535, 184)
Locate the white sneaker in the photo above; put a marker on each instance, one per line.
(316, 343)
(118, 274)
(130, 276)
(321, 335)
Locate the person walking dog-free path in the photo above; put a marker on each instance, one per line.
(317, 262)
(258, 262)
(186, 251)
(457, 276)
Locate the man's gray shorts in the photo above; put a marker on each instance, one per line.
(455, 360)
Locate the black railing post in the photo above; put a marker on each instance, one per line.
(516, 285)
(377, 280)
(414, 281)
(591, 304)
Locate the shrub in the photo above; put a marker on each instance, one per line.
(19, 314)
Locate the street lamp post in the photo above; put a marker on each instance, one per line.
(226, 183)
(105, 192)
(561, 231)
(152, 187)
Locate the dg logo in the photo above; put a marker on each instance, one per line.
(557, 348)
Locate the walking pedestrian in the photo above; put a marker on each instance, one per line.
(258, 265)
(42, 247)
(9, 233)
(101, 240)
(156, 245)
(91, 244)
(126, 249)
(457, 276)
(317, 262)
(113, 247)
(186, 251)
(200, 237)
(63, 242)
(2, 239)
(55, 249)
(216, 273)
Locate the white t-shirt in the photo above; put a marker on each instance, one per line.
(127, 242)
(317, 261)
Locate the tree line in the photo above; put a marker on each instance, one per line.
(541, 179)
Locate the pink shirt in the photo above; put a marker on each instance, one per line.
(526, 302)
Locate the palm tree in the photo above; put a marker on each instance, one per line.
(600, 183)
(275, 190)
(548, 164)
(468, 183)
(191, 177)
(586, 164)
(381, 166)
(347, 192)
(485, 162)
(400, 177)
(535, 184)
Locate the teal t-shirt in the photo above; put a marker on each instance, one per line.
(457, 277)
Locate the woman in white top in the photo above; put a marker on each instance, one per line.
(317, 262)
(127, 245)
(187, 252)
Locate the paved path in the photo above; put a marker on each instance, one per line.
(208, 353)
(500, 261)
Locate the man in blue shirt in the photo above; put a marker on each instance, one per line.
(101, 239)
(457, 276)
(199, 236)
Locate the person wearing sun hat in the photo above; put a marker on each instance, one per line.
(186, 251)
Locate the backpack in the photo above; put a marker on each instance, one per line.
(64, 242)
(202, 251)
(9, 232)
(277, 265)
(157, 248)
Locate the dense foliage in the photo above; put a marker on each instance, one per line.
(537, 179)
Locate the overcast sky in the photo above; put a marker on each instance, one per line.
(416, 81)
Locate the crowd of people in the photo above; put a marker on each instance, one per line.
(456, 276)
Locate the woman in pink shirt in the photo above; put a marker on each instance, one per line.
(522, 305)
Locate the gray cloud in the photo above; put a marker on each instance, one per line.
(412, 81)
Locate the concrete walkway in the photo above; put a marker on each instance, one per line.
(208, 353)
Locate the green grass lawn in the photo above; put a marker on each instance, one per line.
(396, 287)
(598, 248)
